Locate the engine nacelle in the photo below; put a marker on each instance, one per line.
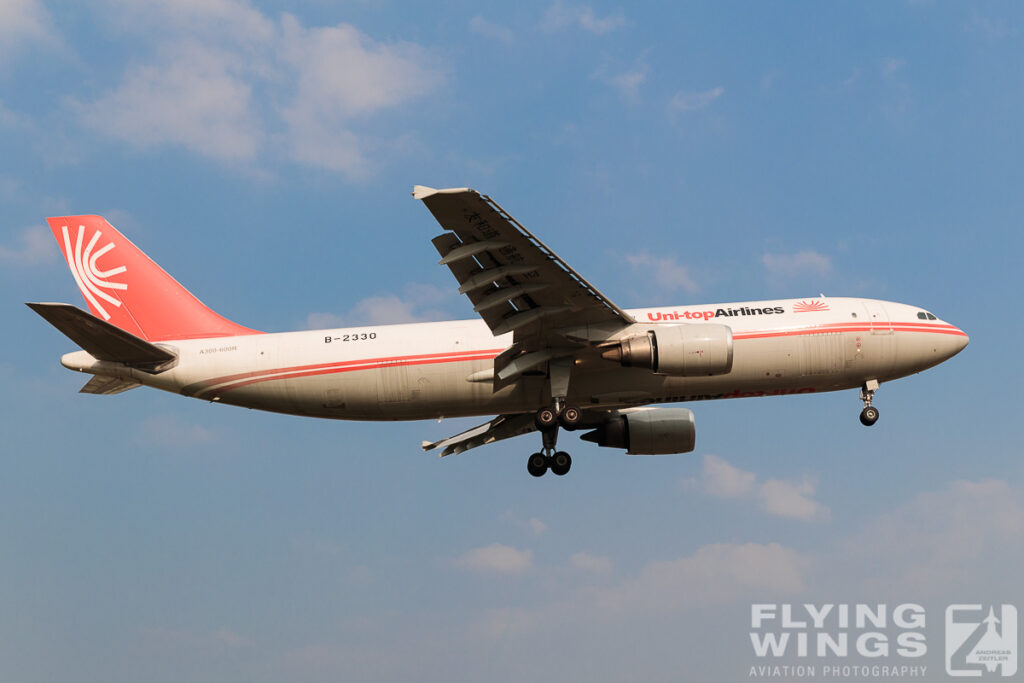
(658, 431)
(689, 350)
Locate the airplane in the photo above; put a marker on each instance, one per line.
(548, 352)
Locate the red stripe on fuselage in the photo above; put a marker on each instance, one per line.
(246, 378)
(220, 385)
(853, 327)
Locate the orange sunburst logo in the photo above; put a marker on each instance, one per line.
(809, 306)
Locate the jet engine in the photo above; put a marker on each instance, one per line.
(690, 350)
(655, 431)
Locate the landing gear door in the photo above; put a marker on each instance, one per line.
(878, 317)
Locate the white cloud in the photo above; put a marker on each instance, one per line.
(723, 480)
(229, 83)
(492, 31)
(769, 78)
(890, 65)
(991, 29)
(590, 563)
(123, 220)
(498, 558)
(35, 245)
(534, 525)
(228, 637)
(13, 120)
(384, 310)
(853, 78)
(790, 499)
(224, 21)
(325, 321)
(805, 262)
(361, 575)
(418, 303)
(341, 68)
(940, 543)
(716, 573)
(627, 82)
(22, 21)
(560, 16)
(197, 97)
(665, 271)
(624, 626)
(168, 431)
(195, 642)
(342, 75)
(692, 101)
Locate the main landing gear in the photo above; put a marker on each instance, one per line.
(548, 420)
(869, 415)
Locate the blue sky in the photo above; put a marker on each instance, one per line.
(263, 153)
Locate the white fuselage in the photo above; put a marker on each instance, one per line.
(433, 370)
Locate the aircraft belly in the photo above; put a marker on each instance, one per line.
(329, 385)
(391, 393)
(761, 367)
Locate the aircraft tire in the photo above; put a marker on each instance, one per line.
(570, 418)
(537, 465)
(560, 463)
(869, 416)
(546, 419)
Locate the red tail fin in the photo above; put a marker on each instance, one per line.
(126, 288)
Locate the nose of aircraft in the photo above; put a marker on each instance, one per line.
(954, 343)
(961, 341)
(941, 342)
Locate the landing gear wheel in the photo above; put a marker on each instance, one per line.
(537, 465)
(560, 463)
(570, 418)
(546, 419)
(869, 416)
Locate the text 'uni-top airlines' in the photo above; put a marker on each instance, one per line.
(548, 352)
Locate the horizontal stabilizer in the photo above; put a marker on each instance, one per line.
(102, 340)
(107, 385)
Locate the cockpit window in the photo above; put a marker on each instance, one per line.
(932, 317)
(922, 315)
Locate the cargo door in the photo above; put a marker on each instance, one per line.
(880, 343)
(393, 382)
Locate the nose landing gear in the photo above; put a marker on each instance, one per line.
(869, 415)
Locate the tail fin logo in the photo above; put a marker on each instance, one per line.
(94, 283)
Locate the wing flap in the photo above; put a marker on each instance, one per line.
(501, 427)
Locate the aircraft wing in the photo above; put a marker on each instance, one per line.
(515, 282)
(501, 427)
(507, 426)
